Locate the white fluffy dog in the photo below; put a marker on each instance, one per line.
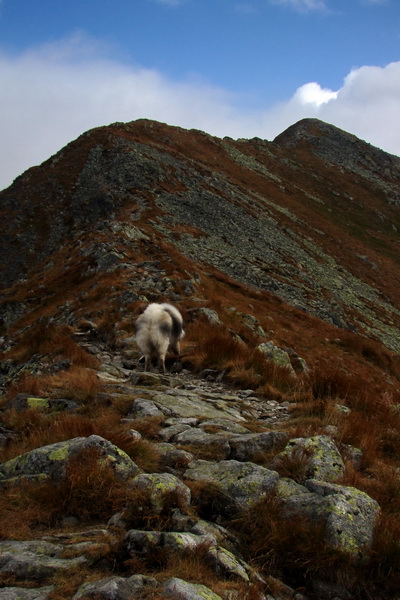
(159, 329)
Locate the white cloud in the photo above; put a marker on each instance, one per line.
(312, 93)
(52, 94)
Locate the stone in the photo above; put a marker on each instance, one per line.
(250, 446)
(211, 442)
(349, 514)
(142, 543)
(184, 404)
(324, 461)
(178, 589)
(52, 460)
(224, 563)
(352, 516)
(23, 402)
(173, 458)
(224, 425)
(143, 408)
(18, 593)
(35, 560)
(164, 490)
(276, 355)
(115, 588)
(242, 482)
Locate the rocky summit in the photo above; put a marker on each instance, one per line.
(264, 464)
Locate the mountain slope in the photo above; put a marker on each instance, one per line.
(312, 217)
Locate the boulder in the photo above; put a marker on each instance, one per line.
(276, 355)
(178, 589)
(52, 460)
(35, 560)
(142, 543)
(324, 461)
(349, 514)
(216, 443)
(242, 482)
(161, 487)
(251, 445)
(115, 588)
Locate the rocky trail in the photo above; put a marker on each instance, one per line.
(207, 434)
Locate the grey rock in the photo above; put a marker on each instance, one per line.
(324, 461)
(224, 425)
(172, 457)
(242, 482)
(115, 588)
(17, 593)
(349, 514)
(142, 408)
(276, 355)
(210, 442)
(142, 543)
(211, 315)
(161, 487)
(178, 589)
(31, 566)
(251, 445)
(226, 564)
(169, 433)
(52, 460)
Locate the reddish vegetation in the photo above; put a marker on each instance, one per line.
(64, 229)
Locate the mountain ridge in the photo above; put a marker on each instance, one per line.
(257, 211)
(264, 465)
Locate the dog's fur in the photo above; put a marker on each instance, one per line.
(159, 329)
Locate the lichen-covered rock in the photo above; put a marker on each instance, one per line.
(52, 460)
(276, 355)
(242, 482)
(162, 489)
(142, 543)
(216, 443)
(35, 561)
(226, 564)
(168, 433)
(250, 446)
(18, 593)
(349, 514)
(287, 487)
(352, 516)
(224, 425)
(178, 589)
(183, 403)
(23, 402)
(116, 588)
(324, 461)
(143, 408)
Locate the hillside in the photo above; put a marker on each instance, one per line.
(283, 258)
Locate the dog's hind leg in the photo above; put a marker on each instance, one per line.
(147, 362)
(161, 363)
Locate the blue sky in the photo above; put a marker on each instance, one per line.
(241, 68)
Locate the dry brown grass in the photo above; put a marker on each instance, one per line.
(294, 464)
(47, 339)
(36, 429)
(91, 492)
(216, 347)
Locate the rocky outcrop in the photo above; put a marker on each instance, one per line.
(52, 461)
(235, 482)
